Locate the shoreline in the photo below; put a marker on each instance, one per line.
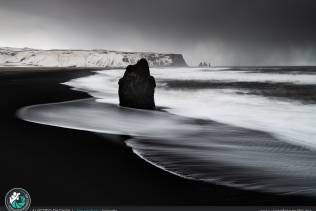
(82, 168)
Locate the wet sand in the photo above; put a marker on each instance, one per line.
(69, 167)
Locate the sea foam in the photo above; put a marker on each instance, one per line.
(217, 135)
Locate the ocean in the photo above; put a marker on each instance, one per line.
(246, 127)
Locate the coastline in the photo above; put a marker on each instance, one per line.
(81, 168)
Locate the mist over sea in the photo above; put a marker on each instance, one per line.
(246, 127)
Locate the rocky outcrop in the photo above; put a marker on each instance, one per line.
(137, 87)
(204, 64)
(85, 58)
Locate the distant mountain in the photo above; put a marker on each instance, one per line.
(84, 58)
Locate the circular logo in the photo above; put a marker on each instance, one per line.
(17, 199)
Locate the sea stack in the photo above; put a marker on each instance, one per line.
(137, 87)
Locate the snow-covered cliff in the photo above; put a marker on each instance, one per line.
(84, 58)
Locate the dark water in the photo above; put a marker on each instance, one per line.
(251, 128)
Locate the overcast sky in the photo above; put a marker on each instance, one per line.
(224, 32)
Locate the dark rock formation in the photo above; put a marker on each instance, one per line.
(204, 64)
(137, 87)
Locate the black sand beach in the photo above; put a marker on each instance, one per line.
(62, 167)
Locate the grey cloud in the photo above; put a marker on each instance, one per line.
(225, 32)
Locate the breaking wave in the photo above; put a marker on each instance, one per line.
(215, 135)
